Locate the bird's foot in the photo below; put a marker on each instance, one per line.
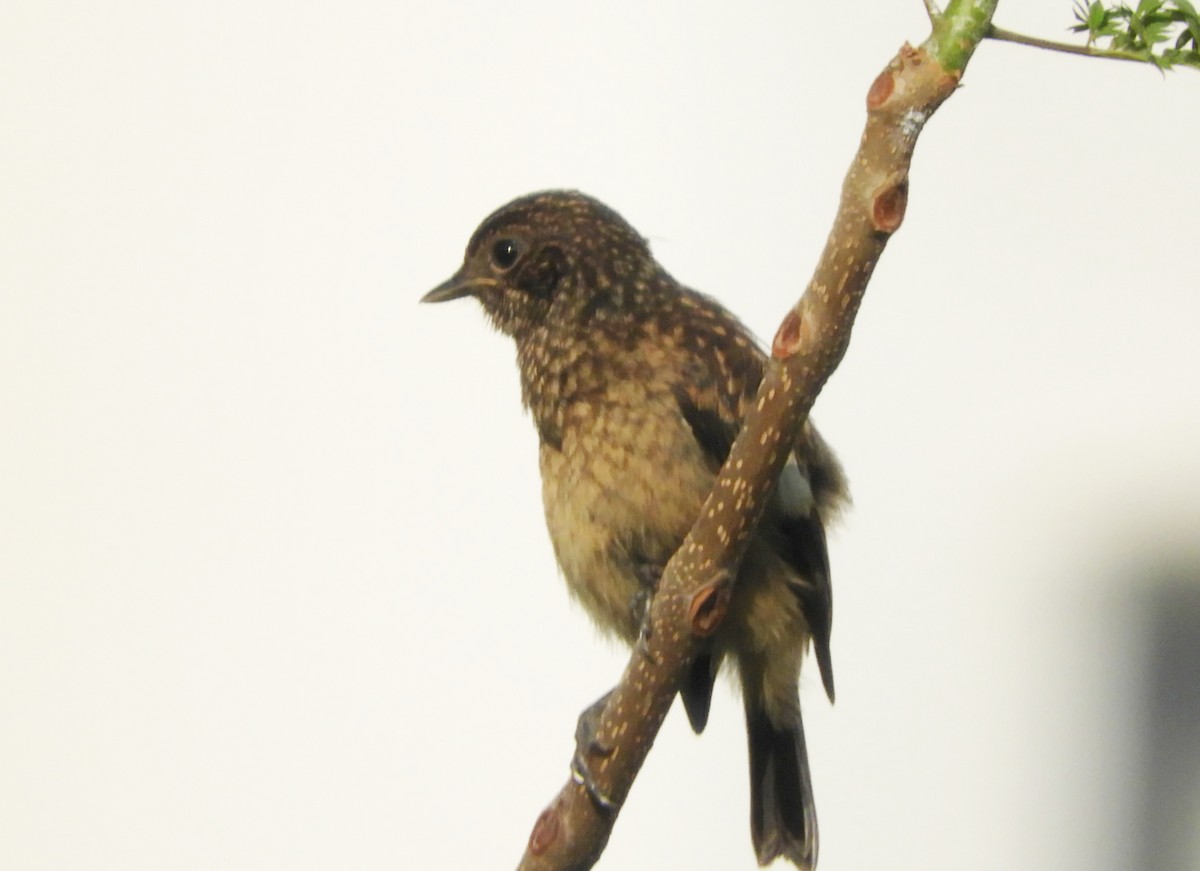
(587, 742)
(649, 576)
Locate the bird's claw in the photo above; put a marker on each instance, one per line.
(649, 576)
(587, 743)
(581, 774)
(639, 605)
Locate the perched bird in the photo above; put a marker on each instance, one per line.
(637, 386)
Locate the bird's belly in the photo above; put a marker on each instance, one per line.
(619, 499)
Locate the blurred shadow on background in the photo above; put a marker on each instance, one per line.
(1167, 816)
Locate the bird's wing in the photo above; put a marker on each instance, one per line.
(800, 539)
(713, 397)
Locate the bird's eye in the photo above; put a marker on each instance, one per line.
(504, 253)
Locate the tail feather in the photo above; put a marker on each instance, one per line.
(697, 690)
(783, 815)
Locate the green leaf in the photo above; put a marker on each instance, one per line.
(1138, 28)
(1156, 32)
(1162, 32)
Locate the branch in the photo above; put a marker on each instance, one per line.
(694, 592)
(999, 33)
(1155, 32)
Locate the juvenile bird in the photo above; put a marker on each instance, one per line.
(637, 386)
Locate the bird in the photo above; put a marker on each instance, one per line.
(637, 386)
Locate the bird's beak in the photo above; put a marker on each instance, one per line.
(454, 287)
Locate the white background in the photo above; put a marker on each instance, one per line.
(275, 589)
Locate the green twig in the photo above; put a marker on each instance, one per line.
(958, 31)
(1003, 35)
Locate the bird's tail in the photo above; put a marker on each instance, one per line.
(783, 815)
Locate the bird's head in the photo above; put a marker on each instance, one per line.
(556, 257)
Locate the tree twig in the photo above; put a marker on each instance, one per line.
(999, 33)
(572, 831)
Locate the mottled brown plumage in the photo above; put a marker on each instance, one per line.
(637, 386)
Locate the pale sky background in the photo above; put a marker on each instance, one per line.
(275, 587)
